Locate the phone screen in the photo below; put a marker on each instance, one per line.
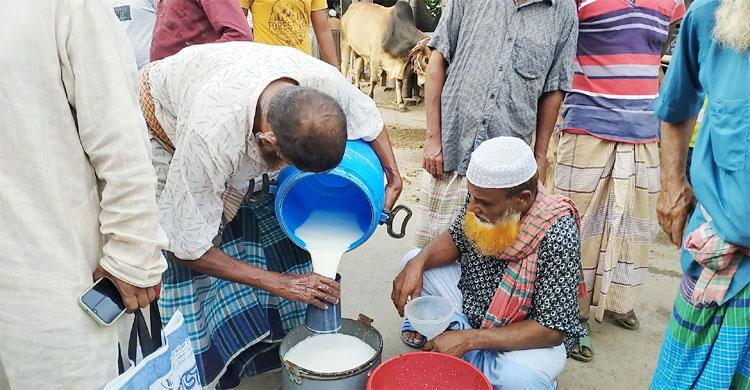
(104, 301)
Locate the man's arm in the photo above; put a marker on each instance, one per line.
(118, 150)
(432, 160)
(441, 251)
(443, 43)
(383, 149)
(527, 334)
(226, 17)
(679, 102)
(191, 208)
(312, 289)
(323, 33)
(549, 109)
(676, 198)
(559, 79)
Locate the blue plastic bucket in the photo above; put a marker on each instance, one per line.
(355, 186)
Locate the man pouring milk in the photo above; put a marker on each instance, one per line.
(221, 116)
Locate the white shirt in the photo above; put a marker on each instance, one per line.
(76, 189)
(138, 18)
(205, 98)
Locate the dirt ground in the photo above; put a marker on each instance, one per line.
(623, 359)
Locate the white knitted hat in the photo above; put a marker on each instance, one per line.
(502, 162)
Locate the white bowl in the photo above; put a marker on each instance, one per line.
(429, 315)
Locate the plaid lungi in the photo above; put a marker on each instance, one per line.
(439, 202)
(236, 329)
(615, 187)
(706, 347)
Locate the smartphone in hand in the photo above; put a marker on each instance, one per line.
(103, 302)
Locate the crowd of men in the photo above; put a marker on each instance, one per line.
(138, 145)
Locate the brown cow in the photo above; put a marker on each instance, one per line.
(386, 38)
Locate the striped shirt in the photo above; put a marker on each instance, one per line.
(617, 66)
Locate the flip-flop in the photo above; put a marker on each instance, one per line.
(623, 322)
(406, 327)
(584, 342)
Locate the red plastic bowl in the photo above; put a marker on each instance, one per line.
(427, 370)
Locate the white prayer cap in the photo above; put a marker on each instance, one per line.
(502, 162)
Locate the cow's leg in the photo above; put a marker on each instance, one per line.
(359, 68)
(374, 67)
(400, 95)
(345, 57)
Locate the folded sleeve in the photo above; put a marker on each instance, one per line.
(560, 75)
(445, 37)
(318, 5)
(100, 79)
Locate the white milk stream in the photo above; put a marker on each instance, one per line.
(327, 236)
(330, 353)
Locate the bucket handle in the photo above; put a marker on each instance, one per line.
(365, 320)
(390, 216)
(294, 373)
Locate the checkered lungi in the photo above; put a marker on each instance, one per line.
(706, 347)
(439, 202)
(615, 187)
(236, 329)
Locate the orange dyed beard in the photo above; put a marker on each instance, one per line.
(491, 239)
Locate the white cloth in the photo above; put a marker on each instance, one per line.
(137, 18)
(205, 98)
(77, 189)
(502, 162)
(530, 369)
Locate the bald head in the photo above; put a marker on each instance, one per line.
(310, 128)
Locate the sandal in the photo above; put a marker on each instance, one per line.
(623, 322)
(406, 327)
(583, 343)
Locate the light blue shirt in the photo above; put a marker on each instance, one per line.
(720, 170)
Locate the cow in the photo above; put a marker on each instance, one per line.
(386, 38)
